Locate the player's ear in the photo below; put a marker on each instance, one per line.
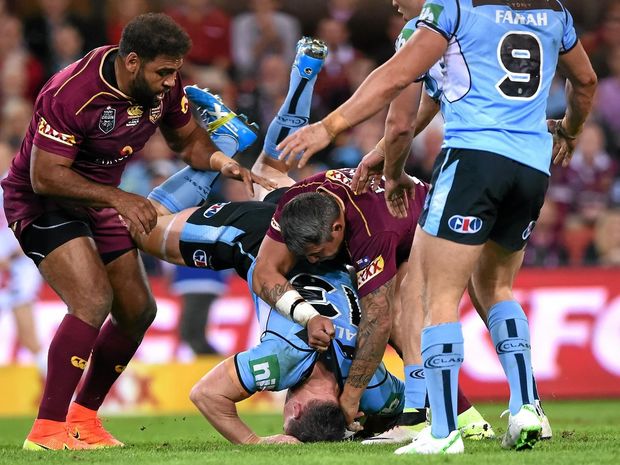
(338, 226)
(297, 409)
(132, 62)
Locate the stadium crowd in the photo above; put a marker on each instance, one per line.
(243, 49)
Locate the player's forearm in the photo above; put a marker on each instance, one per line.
(268, 282)
(63, 182)
(429, 107)
(372, 337)
(197, 150)
(579, 101)
(222, 414)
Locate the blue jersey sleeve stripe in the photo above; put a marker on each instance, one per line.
(568, 49)
(240, 378)
(433, 28)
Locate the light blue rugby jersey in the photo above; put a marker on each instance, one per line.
(433, 78)
(283, 358)
(499, 66)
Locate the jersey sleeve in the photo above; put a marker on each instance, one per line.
(177, 114)
(569, 37)
(259, 368)
(57, 130)
(374, 262)
(441, 16)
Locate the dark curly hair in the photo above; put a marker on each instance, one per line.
(154, 34)
(319, 421)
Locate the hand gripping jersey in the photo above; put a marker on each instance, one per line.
(375, 241)
(283, 359)
(500, 61)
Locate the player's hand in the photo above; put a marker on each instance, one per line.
(397, 195)
(352, 415)
(305, 142)
(370, 167)
(563, 144)
(279, 439)
(138, 212)
(320, 332)
(233, 170)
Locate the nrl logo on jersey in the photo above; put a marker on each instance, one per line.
(431, 13)
(107, 121)
(48, 131)
(213, 209)
(374, 269)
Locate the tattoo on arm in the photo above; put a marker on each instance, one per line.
(271, 294)
(372, 335)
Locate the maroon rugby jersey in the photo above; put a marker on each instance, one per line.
(376, 242)
(79, 115)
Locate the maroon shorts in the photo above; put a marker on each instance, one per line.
(48, 231)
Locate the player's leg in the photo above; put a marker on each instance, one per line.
(69, 262)
(294, 112)
(133, 310)
(230, 132)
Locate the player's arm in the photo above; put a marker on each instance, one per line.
(269, 282)
(197, 149)
(51, 175)
(372, 337)
(380, 88)
(580, 89)
(429, 107)
(216, 395)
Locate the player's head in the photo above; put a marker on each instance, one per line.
(312, 226)
(152, 47)
(316, 420)
(408, 8)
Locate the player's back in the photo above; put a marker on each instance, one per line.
(500, 62)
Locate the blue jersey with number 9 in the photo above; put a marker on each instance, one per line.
(501, 59)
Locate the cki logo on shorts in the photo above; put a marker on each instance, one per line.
(465, 224)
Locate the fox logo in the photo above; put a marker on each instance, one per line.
(78, 362)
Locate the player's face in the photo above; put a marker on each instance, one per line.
(327, 250)
(154, 79)
(408, 8)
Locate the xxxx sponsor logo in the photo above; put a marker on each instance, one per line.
(46, 130)
(344, 176)
(372, 270)
(443, 361)
(512, 345)
(78, 362)
(274, 224)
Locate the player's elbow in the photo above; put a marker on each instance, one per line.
(586, 82)
(42, 182)
(199, 395)
(398, 126)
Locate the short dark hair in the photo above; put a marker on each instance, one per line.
(154, 34)
(319, 421)
(307, 219)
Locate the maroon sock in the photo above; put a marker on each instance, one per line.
(112, 352)
(462, 403)
(66, 360)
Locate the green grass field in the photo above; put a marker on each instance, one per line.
(584, 433)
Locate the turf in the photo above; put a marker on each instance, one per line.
(584, 433)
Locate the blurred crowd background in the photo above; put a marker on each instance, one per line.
(243, 49)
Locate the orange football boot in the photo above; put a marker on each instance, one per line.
(52, 435)
(87, 427)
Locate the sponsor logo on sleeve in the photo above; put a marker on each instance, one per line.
(107, 121)
(184, 104)
(266, 372)
(342, 176)
(431, 13)
(274, 224)
(155, 113)
(465, 224)
(46, 130)
(363, 262)
(134, 113)
(374, 269)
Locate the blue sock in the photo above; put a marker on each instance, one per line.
(189, 187)
(442, 353)
(511, 335)
(415, 387)
(295, 111)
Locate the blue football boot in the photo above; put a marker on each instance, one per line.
(311, 54)
(231, 133)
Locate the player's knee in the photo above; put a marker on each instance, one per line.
(96, 308)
